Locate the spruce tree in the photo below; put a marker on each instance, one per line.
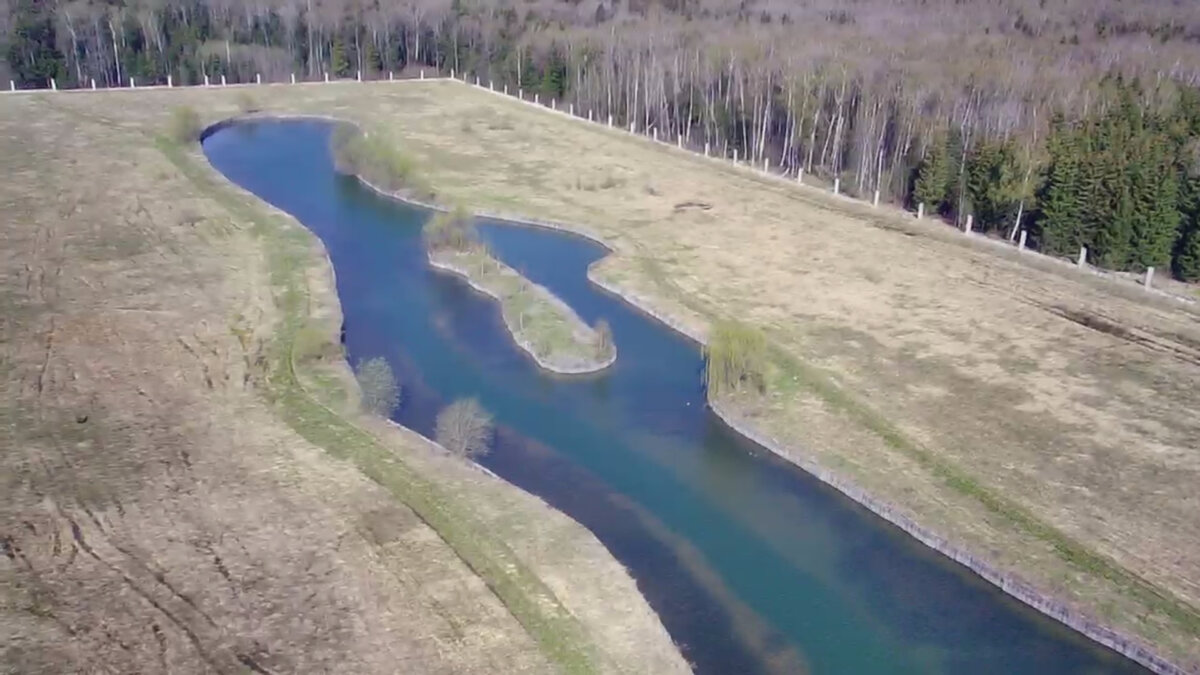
(993, 183)
(339, 65)
(1187, 259)
(1061, 222)
(933, 176)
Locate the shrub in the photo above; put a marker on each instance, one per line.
(376, 160)
(735, 359)
(247, 103)
(464, 428)
(185, 125)
(380, 390)
(452, 230)
(604, 338)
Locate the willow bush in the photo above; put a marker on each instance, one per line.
(380, 390)
(604, 338)
(451, 230)
(464, 428)
(185, 126)
(735, 359)
(376, 160)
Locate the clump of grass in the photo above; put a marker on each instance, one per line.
(376, 160)
(736, 359)
(451, 230)
(313, 344)
(380, 390)
(185, 126)
(465, 428)
(611, 181)
(247, 103)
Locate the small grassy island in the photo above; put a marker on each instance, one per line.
(542, 324)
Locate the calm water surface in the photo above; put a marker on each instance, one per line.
(752, 565)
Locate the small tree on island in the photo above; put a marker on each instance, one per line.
(604, 338)
(451, 230)
(465, 429)
(380, 390)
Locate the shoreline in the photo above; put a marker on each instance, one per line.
(520, 341)
(1010, 583)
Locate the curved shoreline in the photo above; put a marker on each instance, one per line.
(1009, 583)
(519, 339)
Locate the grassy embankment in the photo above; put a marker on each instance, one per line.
(525, 595)
(980, 394)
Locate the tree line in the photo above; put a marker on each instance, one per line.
(1016, 112)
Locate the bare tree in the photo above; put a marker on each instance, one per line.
(464, 428)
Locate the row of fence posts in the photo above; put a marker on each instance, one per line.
(1080, 262)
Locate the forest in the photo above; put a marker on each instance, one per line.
(1075, 120)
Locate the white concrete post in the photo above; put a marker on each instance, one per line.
(170, 81)
(327, 76)
(520, 93)
(800, 175)
(875, 201)
(920, 210)
(707, 147)
(12, 85)
(506, 90)
(476, 80)
(571, 109)
(735, 155)
(967, 225)
(53, 85)
(554, 104)
(679, 141)
(1082, 261)
(589, 114)
(610, 119)
(132, 84)
(535, 98)
(358, 76)
(837, 186)
(766, 165)
(1021, 243)
(93, 84)
(654, 133)
(491, 85)
(391, 76)
(1149, 277)
(293, 78)
(223, 82)
(422, 73)
(452, 73)
(206, 79)
(258, 78)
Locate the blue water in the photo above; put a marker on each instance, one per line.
(752, 565)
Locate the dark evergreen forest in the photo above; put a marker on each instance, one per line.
(1077, 120)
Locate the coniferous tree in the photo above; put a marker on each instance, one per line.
(933, 177)
(993, 183)
(1060, 227)
(339, 64)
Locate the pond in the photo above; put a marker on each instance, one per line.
(751, 564)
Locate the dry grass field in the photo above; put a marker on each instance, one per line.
(186, 490)
(1041, 417)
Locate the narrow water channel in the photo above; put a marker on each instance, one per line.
(752, 565)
